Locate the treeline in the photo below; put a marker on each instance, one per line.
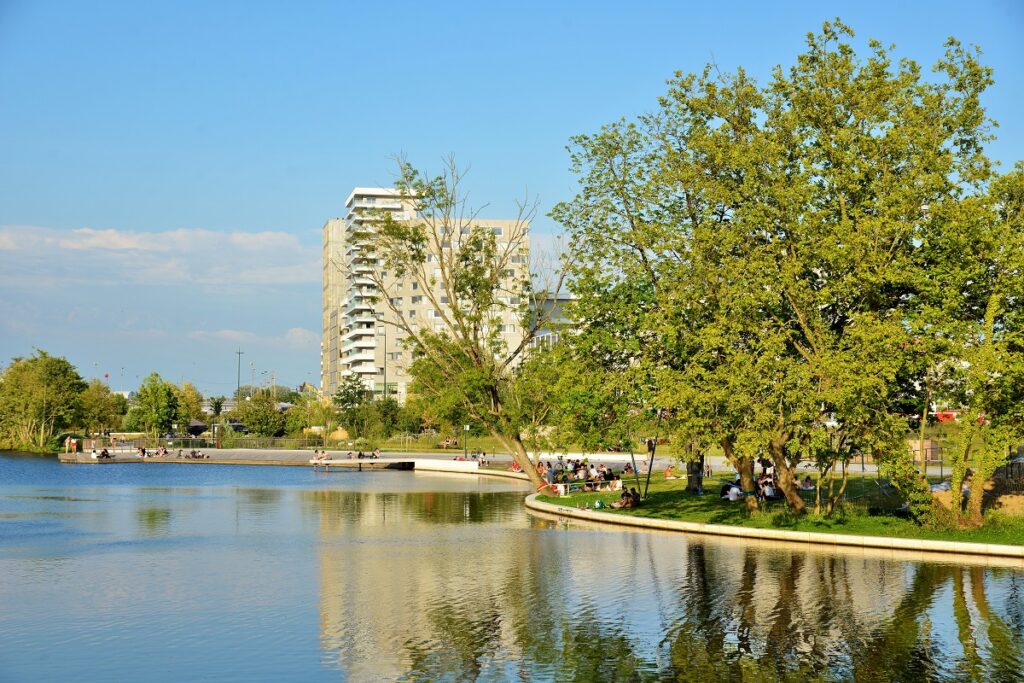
(44, 397)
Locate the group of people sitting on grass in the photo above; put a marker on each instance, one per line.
(766, 487)
(576, 470)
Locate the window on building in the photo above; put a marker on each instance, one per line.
(513, 300)
(508, 272)
(518, 259)
(417, 299)
(496, 231)
(415, 286)
(412, 314)
(396, 301)
(395, 355)
(381, 331)
(444, 299)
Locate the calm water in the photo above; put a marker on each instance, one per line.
(172, 572)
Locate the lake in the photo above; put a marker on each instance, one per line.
(171, 572)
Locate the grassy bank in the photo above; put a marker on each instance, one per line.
(869, 511)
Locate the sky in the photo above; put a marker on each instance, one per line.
(166, 167)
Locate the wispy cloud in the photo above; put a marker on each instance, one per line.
(293, 339)
(184, 256)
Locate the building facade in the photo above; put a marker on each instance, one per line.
(360, 336)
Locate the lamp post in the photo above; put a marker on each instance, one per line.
(238, 380)
(465, 441)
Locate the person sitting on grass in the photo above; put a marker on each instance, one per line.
(635, 495)
(624, 501)
(668, 473)
(807, 484)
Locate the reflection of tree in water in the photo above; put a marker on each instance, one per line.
(542, 605)
(757, 625)
(463, 640)
(557, 631)
(260, 496)
(428, 507)
(903, 649)
(153, 520)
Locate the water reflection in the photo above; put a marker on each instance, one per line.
(546, 601)
(280, 573)
(154, 521)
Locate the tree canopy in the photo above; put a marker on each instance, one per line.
(765, 260)
(39, 396)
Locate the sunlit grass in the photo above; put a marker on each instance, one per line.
(869, 511)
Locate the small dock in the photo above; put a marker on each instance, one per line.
(365, 464)
(421, 464)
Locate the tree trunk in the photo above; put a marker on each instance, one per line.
(515, 446)
(695, 475)
(786, 480)
(745, 468)
(924, 421)
(959, 466)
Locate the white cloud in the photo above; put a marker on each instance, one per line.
(293, 339)
(118, 257)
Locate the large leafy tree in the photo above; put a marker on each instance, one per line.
(778, 234)
(39, 396)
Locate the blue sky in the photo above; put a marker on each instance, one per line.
(165, 167)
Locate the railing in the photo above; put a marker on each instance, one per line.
(121, 446)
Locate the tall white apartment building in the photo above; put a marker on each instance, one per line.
(357, 338)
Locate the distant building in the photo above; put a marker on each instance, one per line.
(555, 320)
(357, 339)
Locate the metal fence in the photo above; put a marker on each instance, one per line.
(121, 445)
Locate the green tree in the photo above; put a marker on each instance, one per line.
(978, 314)
(477, 285)
(190, 404)
(217, 405)
(39, 396)
(101, 408)
(154, 408)
(778, 235)
(260, 415)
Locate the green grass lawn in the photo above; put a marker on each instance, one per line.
(668, 499)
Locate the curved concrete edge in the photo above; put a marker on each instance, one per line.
(501, 473)
(880, 542)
